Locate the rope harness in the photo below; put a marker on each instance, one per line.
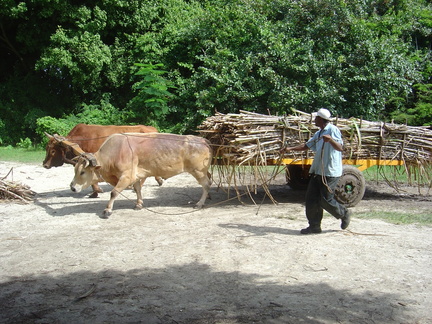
(207, 206)
(323, 177)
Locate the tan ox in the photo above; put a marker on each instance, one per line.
(89, 138)
(129, 159)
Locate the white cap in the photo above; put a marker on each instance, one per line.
(324, 114)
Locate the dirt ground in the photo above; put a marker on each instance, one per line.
(230, 262)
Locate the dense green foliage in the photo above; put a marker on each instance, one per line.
(172, 63)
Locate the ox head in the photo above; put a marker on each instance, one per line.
(55, 153)
(85, 172)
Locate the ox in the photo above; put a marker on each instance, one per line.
(128, 159)
(89, 138)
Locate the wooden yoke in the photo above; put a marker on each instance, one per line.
(65, 143)
(76, 149)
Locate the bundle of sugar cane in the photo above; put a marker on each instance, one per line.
(377, 140)
(244, 137)
(10, 190)
(251, 138)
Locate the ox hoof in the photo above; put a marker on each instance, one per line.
(106, 214)
(94, 195)
(198, 206)
(159, 180)
(138, 207)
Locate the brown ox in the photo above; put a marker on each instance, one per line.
(128, 159)
(89, 138)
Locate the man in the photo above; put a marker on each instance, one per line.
(324, 173)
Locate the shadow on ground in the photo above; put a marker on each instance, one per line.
(165, 196)
(175, 196)
(190, 293)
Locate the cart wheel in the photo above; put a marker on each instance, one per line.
(351, 186)
(297, 176)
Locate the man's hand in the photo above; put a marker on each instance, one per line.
(301, 147)
(327, 138)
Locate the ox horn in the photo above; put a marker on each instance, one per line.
(84, 159)
(48, 135)
(90, 159)
(75, 160)
(58, 138)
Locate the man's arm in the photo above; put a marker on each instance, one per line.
(336, 145)
(301, 147)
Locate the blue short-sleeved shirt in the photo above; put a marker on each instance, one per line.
(328, 162)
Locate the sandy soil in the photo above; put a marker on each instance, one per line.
(230, 262)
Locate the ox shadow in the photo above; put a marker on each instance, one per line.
(64, 202)
(188, 293)
(163, 196)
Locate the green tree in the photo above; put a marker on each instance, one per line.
(359, 58)
(150, 104)
(231, 55)
(26, 94)
(78, 52)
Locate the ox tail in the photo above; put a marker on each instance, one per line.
(212, 153)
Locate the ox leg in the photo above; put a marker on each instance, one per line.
(138, 187)
(122, 184)
(96, 191)
(204, 180)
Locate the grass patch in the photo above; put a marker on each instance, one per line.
(22, 155)
(386, 172)
(413, 175)
(399, 218)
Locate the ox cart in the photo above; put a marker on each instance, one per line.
(352, 184)
(255, 141)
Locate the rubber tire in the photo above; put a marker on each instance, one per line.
(297, 176)
(351, 186)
